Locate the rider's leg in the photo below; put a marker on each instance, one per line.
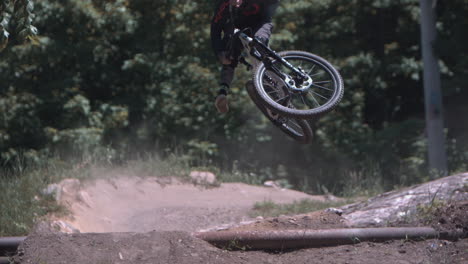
(227, 75)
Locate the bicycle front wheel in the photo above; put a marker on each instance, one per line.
(322, 94)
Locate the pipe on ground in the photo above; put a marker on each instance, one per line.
(290, 239)
(9, 245)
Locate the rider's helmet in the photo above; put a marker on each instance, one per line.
(236, 3)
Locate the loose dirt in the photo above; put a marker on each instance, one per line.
(181, 247)
(141, 220)
(145, 204)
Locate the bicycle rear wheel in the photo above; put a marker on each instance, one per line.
(297, 129)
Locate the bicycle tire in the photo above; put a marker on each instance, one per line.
(304, 138)
(313, 113)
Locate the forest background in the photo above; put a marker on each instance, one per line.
(114, 81)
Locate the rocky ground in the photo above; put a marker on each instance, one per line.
(136, 220)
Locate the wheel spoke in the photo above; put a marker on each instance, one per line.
(314, 99)
(319, 95)
(298, 128)
(325, 88)
(311, 69)
(272, 92)
(302, 98)
(282, 98)
(317, 74)
(294, 125)
(324, 82)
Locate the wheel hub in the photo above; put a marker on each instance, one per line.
(298, 86)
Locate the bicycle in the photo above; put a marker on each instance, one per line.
(289, 87)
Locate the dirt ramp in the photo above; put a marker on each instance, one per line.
(132, 204)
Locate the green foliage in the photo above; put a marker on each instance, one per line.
(16, 16)
(114, 79)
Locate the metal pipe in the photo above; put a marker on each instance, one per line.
(9, 245)
(289, 239)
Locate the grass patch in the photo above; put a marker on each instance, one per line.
(244, 177)
(426, 213)
(272, 209)
(21, 201)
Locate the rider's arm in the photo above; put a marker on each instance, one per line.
(217, 27)
(264, 32)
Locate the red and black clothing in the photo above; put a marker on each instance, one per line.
(254, 14)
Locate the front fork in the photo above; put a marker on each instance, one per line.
(299, 84)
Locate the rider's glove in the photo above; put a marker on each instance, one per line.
(262, 40)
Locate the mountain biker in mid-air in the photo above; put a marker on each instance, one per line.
(240, 14)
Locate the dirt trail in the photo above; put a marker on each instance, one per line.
(174, 210)
(145, 204)
(180, 247)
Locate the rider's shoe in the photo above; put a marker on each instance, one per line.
(221, 102)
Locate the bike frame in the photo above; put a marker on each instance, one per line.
(255, 49)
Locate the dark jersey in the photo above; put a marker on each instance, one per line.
(255, 14)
